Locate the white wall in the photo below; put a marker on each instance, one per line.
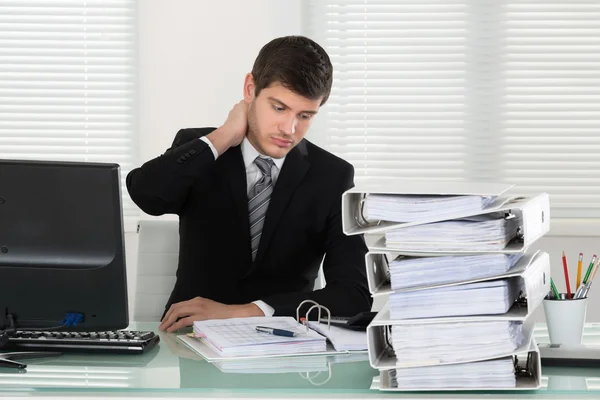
(193, 57)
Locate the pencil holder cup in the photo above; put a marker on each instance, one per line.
(565, 319)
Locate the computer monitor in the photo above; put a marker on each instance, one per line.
(62, 245)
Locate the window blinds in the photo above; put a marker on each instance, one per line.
(504, 91)
(67, 82)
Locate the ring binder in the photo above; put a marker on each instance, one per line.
(531, 273)
(528, 376)
(531, 212)
(382, 354)
(316, 305)
(342, 339)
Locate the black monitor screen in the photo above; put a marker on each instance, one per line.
(61, 244)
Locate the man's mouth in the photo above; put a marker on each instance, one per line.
(281, 142)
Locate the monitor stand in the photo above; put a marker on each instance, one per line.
(8, 360)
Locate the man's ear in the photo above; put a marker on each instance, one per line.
(249, 88)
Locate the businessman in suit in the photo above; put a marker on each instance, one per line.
(259, 205)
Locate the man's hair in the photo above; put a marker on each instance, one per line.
(298, 63)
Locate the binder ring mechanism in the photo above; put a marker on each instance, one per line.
(304, 321)
(524, 370)
(389, 349)
(360, 218)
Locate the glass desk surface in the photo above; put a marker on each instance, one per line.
(172, 368)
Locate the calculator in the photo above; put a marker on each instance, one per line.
(359, 322)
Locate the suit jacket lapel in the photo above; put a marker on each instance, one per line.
(293, 171)
(235, 174)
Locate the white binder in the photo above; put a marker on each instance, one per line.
(533, 278)
(353, 200)
(382, 357)
(533, 269)
(533, 214)
(528, 374)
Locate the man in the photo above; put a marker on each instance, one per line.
(259, 205)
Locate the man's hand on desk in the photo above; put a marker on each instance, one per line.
(199, 309)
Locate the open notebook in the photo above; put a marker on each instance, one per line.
(237, 338)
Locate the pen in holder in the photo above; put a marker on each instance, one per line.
(565, 319)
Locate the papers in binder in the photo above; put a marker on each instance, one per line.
(406, 271)
(210, 354)
(455, 342)
(280, 365)
(480, 298)
(482, 233)
(276, 365)
(384, 354)
(357, 218)
(532, 273)
(497, 373)
(411, 208)
(531, 213)
(238, 337)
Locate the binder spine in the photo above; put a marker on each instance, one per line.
(537, 281)
(378, 271)
(535, 216)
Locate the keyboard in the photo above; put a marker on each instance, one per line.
(115, 342)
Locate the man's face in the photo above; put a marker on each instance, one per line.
(278, 119)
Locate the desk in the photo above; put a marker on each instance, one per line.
(172, 371)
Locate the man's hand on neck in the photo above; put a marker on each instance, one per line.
(233, 131)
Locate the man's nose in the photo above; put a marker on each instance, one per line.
(288, 127)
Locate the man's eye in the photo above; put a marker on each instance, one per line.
(306, 116)
(278, 109)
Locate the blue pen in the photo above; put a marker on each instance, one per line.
(276, 332)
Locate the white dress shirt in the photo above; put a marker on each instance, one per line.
(253, 175)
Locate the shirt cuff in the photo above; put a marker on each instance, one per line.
(265, 308)
(210, 145)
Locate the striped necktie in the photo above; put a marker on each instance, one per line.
(258, 202)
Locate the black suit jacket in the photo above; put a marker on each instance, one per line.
(302, 224)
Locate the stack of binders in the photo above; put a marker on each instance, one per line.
(453, 260)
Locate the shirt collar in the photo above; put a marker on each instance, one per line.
(249, 153)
